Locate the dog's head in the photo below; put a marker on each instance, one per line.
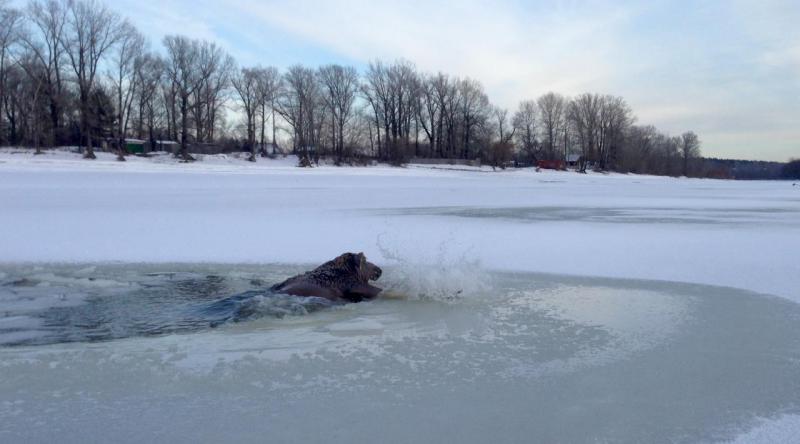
(358, 264)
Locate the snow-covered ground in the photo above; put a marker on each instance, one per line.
(57, 207)
(521, 305)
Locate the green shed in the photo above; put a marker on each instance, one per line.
(134, 146)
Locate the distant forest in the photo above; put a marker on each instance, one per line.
(78, 73)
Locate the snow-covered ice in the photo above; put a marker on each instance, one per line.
(58, 207)
(520, 305)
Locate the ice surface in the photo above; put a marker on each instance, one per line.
(59, 208)
(784, 429)
(641, 352)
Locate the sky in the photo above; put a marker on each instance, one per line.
(727, 69)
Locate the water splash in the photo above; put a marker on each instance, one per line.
(447, 272)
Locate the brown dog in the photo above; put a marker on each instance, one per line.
(344, 278)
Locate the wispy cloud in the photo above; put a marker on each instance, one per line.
(514, 49)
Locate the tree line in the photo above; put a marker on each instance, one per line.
(74, 72)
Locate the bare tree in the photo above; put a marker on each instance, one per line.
(552, 109)
(15, 82)
(269, 87)
(502, 125)
(447, 95)
(615, 118)
(298, 106)
(91, 29)
(641, 141)
(214, 68)
(474, 112)
(245, 83)
(429, 112)
(340, 85)
(376, 90)
(392, 91)
(150, 73)
(524, 123)
(584, 116)
(184, 80)
(125, 78)
(25, 105)
(404, 85)
(10, 20)
(689, 149)
(48, 19)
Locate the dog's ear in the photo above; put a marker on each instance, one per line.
(343, 261)
(348, 261)
(356, 261)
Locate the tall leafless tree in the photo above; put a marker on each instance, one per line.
(44, 39)
(524, 122)
(214, 68)
(615, 118)
(91, 29)
(245, 83)
(10, 20)
(269, 88)
(584, 116)
(185, 79)
(124, 77)
(150, 73)
(552, 109)
(340, 85)
(298, 106)
(689, 150)
(473, 112)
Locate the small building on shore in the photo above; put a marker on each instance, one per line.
(169, 146)
(573, 160)
(134, 146)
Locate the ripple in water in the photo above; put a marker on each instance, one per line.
(60, 306)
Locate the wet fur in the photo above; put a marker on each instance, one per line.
(344, 278)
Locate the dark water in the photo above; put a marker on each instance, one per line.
(62, 306)
(102, 319)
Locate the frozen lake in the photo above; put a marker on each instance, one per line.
(520, 306)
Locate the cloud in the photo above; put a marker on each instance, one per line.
(513, 49)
